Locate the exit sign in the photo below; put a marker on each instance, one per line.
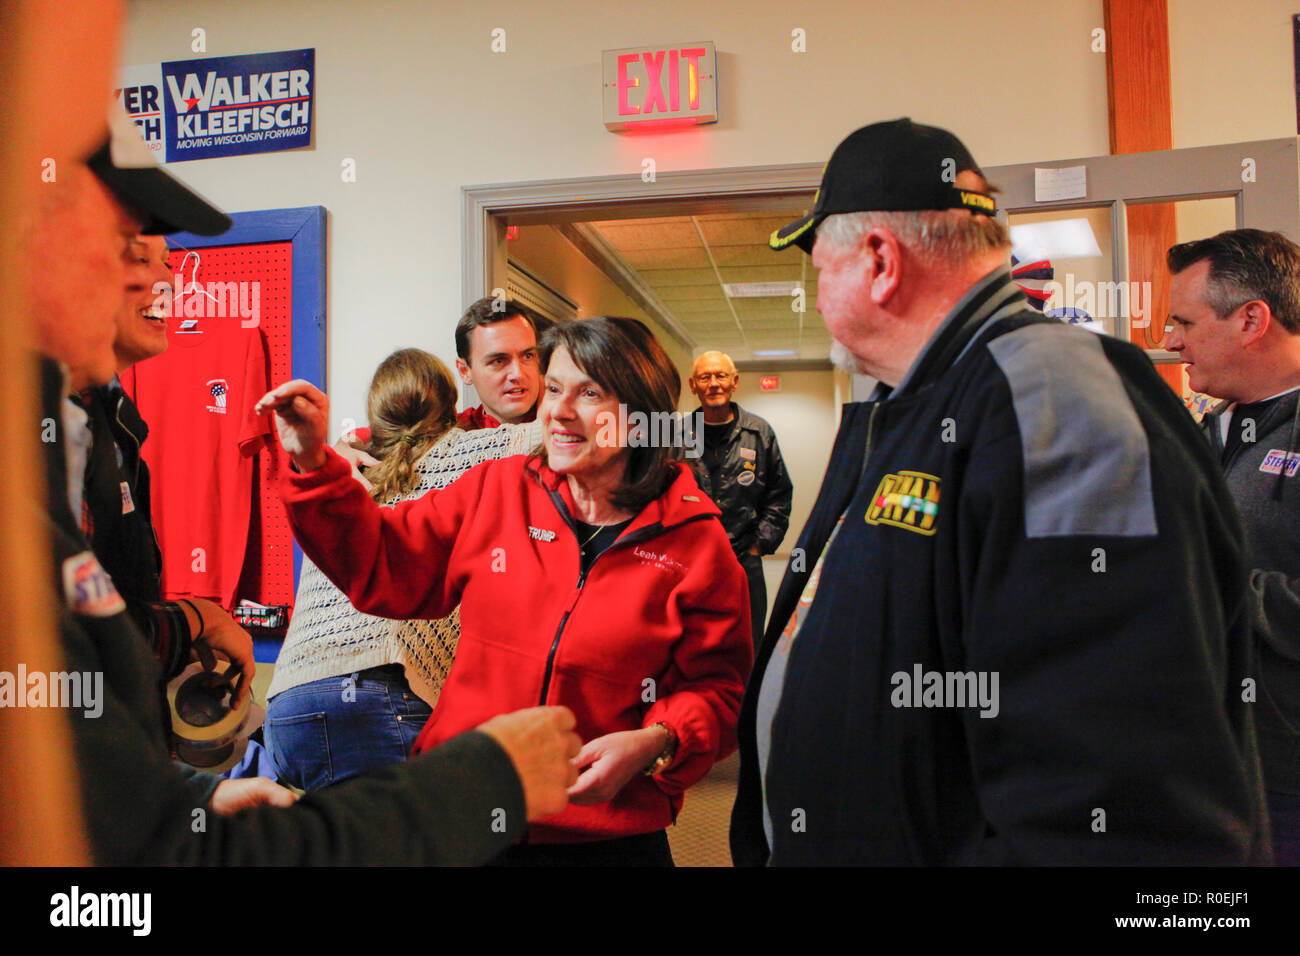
(769, 383)
(673, 85)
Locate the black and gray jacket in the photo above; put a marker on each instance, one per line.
(1031, 504)
(1264, 478)
(750, 485)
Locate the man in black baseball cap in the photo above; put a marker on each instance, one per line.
(82, 249)
(898, 165)
(1017, 639)
(125, 164)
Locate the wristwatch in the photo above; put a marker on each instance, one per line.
(665, 758)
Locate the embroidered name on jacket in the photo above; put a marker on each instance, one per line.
(1272, 462)
(658, 559)
(908, 500)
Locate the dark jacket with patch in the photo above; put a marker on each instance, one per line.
(440, 808)
(1267, 491)
(754, 509)
(117, 494)
(1031, 502)
(116, 499)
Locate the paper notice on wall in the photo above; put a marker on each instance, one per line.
(140, 92)
(1067, 182)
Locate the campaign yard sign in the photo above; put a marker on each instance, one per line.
(224, 105)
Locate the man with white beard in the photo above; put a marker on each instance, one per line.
(1019, 631)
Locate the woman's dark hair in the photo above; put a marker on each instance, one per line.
(622, 357)
(412, 404)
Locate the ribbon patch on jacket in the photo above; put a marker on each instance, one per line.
(909, 500)
(88, 589)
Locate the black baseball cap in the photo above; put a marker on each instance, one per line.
(894, 166)
(125, 164)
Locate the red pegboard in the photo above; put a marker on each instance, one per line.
(268, 561)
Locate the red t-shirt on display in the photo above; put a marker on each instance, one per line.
(197, 399)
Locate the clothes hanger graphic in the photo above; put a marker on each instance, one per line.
(188, 326)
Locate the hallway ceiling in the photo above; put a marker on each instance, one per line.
(686, 261)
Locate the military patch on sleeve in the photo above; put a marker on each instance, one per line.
(88, 589)
(907, 500)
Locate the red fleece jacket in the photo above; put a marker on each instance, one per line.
(658, 630)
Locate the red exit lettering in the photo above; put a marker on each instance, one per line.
(655, 100)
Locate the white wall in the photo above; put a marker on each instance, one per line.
(412, 92)
(1232, 70)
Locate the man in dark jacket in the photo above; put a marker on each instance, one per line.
(1022, 631)
(1234, 314)
(741, 469)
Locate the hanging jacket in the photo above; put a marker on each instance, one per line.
(656, 631)
(1264, 479)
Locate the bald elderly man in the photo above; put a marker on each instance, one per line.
(742, 471)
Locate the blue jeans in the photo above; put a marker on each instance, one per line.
(329, 730)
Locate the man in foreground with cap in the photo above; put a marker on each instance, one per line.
(113, 504)
(461, 803)
(1021, 634)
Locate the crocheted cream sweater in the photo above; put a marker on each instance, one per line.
(328, 637)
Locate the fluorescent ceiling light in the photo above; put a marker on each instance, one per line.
(760, 290)
(1054, 239)
(775, 353)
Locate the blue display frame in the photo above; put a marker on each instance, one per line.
(304, 227)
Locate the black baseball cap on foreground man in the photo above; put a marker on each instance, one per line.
(125, 164)
(885, 167)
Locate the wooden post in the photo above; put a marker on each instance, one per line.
(50, 111)
(1137, 92)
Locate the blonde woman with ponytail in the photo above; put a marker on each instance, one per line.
(351, 691)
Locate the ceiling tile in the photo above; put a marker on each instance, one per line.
(696, 306)
(692, 293)
(636, 234)
(740, 231)
(693, 257)
(755, 255)
(767, 273)
(674, 277)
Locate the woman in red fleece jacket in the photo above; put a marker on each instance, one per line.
(593, 573)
